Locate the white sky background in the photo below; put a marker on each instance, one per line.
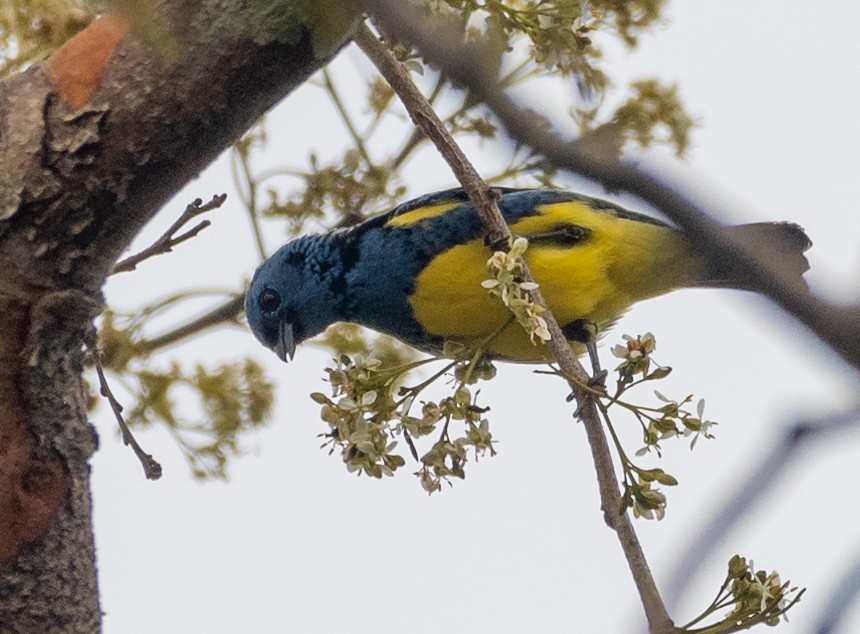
(293, 543)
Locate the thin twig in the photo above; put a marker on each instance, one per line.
(428, 122)
(239, 160)
(227, 312)
(151, 468)
(169, 239)
(344, 115)
(484, 201)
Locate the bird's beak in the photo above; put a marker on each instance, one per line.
(286, 346)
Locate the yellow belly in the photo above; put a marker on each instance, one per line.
(621, 262)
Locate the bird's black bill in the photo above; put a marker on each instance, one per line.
(286, 346)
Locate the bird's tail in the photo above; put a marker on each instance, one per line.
(782, 244)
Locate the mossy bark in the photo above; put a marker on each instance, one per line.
(93, 141)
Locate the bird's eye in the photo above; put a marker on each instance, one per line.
(269, 300)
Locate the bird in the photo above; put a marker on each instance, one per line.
(416, 272)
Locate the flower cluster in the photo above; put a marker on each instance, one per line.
(358, 414)
(365, 416)
(447, 457)
(647, 502)
(755, 597)
(671, 419)
(636, 358)
(507, 285)
(675, 420)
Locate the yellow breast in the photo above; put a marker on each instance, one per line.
(621, 261)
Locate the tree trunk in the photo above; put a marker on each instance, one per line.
(92, 142)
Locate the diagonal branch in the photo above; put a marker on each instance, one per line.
(768, 472)
(484, 201)
(468, 64)
(227, 312)
(151, 467)
(847, 588)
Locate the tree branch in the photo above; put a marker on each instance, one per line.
(227, 312)
(426, 119)
(468, 64)
(167, 241)
(484, 201)
(95, 139)
(847, 588)
(151, 468)
(116, 121)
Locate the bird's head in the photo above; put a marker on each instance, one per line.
(290, 299)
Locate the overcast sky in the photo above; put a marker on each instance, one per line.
(293, 543)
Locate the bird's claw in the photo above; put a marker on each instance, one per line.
(597, 383)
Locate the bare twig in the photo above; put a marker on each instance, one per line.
(169, 239)
(344, 115)
(226, 312)
(484, 201)
(151, 468)
(426, 119)
(241, 168)
(471, 65)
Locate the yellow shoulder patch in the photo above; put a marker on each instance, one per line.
(554, 215)
(623, 260)
(417, 215)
